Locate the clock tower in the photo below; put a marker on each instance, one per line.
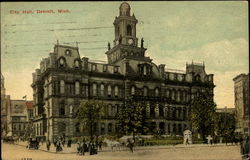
(125, 42)
(125, 27)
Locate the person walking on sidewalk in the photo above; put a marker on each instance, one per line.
(48, 145)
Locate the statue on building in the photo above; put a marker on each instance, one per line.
(120, 39)
(109, 46)
(142, 41)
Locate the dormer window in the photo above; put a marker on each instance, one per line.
(197, 78)
(105, 68)
(115, 69)
(77, 64)
(61, 62)
(93, 67)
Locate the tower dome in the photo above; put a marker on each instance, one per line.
(124, 9)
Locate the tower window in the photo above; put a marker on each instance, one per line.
(129, 30)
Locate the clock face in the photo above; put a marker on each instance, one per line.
(130, 41)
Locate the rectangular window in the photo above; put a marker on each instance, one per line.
(77, 88)
(94, 90)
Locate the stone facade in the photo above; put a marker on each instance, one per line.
(241, 93)
(64, 79)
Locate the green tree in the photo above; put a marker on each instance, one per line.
(131, 119)
(225, 125)
(203, 115)
(89, 114)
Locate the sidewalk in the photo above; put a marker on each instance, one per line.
(73, 148)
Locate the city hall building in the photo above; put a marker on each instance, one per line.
(64, 79)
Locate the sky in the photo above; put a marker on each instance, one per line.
(213, 32)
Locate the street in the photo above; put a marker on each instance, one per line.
(179, 152)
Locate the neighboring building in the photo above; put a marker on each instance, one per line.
(64, 79)
(17, 117)
(241, 93)
(3, 108)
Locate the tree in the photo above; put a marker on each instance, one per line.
(131, 119)
(203, 115)
(225, 125)
(89, 114)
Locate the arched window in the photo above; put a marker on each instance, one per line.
(145, 91)
(157, 92)
(61, 62)
(62, 87)
(133, 90)
(102, 89)
(109, 90)
(77, 87)
(116, 91)
(77, 65)
(94, 89)
(129, 30)
(197, 77)
(77, 127)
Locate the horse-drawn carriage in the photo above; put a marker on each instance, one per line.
(33, 143)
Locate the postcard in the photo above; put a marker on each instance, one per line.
(125, 80)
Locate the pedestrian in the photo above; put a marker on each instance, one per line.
(130, 145)
(100, 144)
(69, 143)
(78, 147)
(58, 146)
(48, 145)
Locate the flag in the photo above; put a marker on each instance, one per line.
(24, 97)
